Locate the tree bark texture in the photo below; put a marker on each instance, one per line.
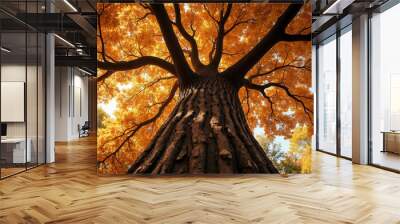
(206, 132)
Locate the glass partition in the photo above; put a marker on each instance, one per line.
(22, 88)
(14, 153)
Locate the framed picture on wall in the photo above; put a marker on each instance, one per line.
(13, 101)
(201, 88)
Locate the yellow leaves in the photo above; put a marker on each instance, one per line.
(300, 148)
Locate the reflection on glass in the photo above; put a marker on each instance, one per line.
(385, 84)
(14, 151)
(346, 94)
(22, 90)
(327, 96)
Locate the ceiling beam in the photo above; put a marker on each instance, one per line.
(78, 61)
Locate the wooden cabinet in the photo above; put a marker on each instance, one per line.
(391, 142)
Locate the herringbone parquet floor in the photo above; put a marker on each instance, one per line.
(69, 191)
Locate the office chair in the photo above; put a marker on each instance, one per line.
(84, 130)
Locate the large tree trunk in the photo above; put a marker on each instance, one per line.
(206, 133)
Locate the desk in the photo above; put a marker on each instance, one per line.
(391, 141)
(13, 150)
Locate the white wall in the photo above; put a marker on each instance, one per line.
(71, 102)
(61, 103)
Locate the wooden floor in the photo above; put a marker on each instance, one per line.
(5, 172)
(71, 192)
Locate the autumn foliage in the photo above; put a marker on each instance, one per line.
(146, 94)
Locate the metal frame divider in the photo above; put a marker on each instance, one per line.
(338, 76)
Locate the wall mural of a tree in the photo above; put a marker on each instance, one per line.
(203, 88)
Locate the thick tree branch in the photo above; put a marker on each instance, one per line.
(134, 64)
(297, 98)
(219, 43)
(194, 53)
(247, 99)
(297, 37)
(139, 126)
(105, 75)
(184, 73)
(211, 54)
(238, 70)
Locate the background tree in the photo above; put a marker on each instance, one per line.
(193, 80)
(273, 150)
(300, 149)
(294, 158)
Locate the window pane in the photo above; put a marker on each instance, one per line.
(327, 96)
(346, 94)
(385, 84)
